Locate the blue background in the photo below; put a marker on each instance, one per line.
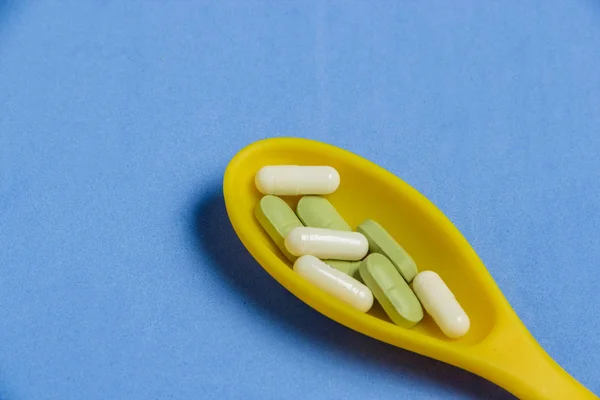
(120, 276)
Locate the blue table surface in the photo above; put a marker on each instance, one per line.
(120, 274)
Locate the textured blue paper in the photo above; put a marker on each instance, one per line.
(120, 276)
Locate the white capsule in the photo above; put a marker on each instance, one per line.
(334, 282)
(440, 303)
(327, 243)
(292, 180)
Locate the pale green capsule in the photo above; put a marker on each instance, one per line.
(317, 212)
(391, 290)
(347, 267)
(380, 241)
(278, 219)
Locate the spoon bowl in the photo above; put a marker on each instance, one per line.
(497, 347)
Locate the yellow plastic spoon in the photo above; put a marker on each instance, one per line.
(498, 346)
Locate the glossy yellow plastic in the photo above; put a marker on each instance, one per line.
(498, 346)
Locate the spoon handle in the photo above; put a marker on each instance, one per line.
(515, 361)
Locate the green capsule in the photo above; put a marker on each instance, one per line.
(391, 290)
(278, 219)
(317, 212)
(347, 267)
(380, 241)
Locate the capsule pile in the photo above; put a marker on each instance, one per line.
(357, 266)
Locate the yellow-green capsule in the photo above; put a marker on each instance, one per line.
(391, 290)
(380, 241)
(278, 219)
(318, 212)
(347, 267)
